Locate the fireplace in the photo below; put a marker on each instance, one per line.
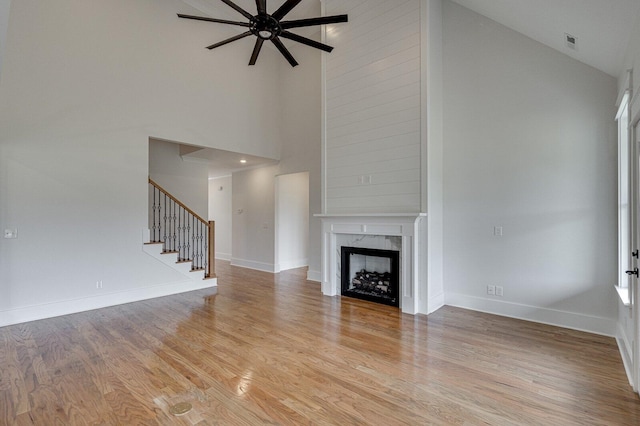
(404, 233)
(370, 274)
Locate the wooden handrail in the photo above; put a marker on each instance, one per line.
(210, 271)
(178, 202)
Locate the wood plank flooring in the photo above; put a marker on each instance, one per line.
(267, 349)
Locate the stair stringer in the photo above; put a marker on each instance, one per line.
(155, 250)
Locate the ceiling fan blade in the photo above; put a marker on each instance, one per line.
(314, 21)
(229, 40)
(256, 51)
(220, 21)
(261, 5)
(238, 9)
(284, 51)
(307, 41)
(284, 9)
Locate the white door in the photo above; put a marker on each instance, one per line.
(628, 239)
(634, 255)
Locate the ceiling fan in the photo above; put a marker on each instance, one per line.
(270, 27)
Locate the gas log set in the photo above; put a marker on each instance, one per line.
(373, 283)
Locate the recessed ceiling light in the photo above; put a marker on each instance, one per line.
(243, 161)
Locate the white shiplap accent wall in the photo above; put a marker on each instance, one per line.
(373, 113)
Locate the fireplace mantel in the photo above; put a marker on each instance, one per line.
(407, 226)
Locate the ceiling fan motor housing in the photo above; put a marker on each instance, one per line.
(265, 27)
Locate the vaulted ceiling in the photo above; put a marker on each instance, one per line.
(602, 28)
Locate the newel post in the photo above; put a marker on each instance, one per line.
(211, 255)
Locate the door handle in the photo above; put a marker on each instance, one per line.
(634, 272)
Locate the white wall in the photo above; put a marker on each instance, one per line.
(529, 146)
(254, 218)
(84, 85)
(300, 88)
(220, 210)
(253, 235)
(434, 199)
(5, 5)
(632, 62)
(373, 108)
(292, 221)
(187, 180)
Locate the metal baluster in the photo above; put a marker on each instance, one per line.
(164, 229)
(202, 246)
(153, 217)
(193, 239)
(174, 224)
(200, 263)
(185, 237)
(178, 232)
(197, 263)
(184, 241)
(157, 235)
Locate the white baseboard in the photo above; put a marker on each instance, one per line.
(571, 320)
(223, 256)
(292, 264)
(624, 346)
(435, 303)
(250, 264)
(56, 309)
(314, 275)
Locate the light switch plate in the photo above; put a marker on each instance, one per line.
(11, 233)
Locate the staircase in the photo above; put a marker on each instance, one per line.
(178, 237)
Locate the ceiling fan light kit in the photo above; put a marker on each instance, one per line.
(268, 27)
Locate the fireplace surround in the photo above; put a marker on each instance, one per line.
(405, 233)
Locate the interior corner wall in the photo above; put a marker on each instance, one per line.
(529, 147)
(187, 180)
(220, 210)
(432, 52)
(300, 88)
(84, 86)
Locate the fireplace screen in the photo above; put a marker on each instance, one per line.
(370, 274)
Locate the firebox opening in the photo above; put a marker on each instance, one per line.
(370, 274)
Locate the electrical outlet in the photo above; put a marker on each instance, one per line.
(11, 233)
(499, 291)
(497, 231)
(99, 284)
(491, 290)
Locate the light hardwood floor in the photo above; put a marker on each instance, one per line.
(272, 350)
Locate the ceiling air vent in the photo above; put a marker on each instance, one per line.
(571, 41)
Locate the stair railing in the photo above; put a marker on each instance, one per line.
(182, 231)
